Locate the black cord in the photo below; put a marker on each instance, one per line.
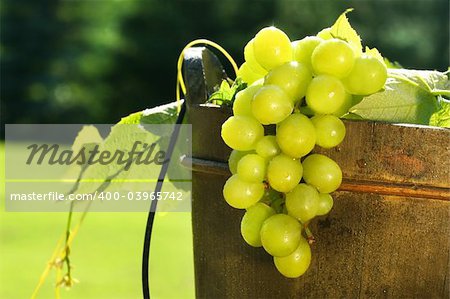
(151, 214)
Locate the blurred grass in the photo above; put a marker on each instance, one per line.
(106, 253)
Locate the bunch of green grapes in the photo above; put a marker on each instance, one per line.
(276, 178)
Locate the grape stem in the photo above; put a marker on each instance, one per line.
(309, 236)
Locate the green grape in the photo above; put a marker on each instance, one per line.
(241, 194)
(367, 76)
(247, 74)
(267, 147)
(325, 33)
(343, 109)
(252, 221)
(252, 168)
(322, 173)
(303, 202)
(304, 48)
(249, 56)
(325, 94)
(234, 159)
(271, 47)
(333, 57)
(271, 105)
(295, 264)
(284, 173)
(242, 104)
(325, 204)
(296, 135)
(293, 77)
(330, 130)
(280, 234)
(242, 132)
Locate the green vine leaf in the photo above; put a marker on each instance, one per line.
(442, 117)
(164, 114)
(374, 53)
(86, 139)
(225, 95)
(343, 30)
(97, 177)
(410, 96)
(88, 134)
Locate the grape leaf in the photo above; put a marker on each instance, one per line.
(164, 114)
(134, 118)
(350, 115)
(392, 64)
(88, 134)
(97, 177)
(343, 30)
(225, 94)
(410, 96)
(87, 138)
(441, 118)
(121, 137)
(430, 80)
(374, 53)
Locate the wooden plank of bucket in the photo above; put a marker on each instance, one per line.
(385, 238)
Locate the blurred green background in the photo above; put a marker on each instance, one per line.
(106, 253)
(95, 61)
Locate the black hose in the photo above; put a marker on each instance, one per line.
(151, 214)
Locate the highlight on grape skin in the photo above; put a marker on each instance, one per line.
(293, 77)
(242, 104)
(296, 135)
(267, 147)
(322, 173)
(241, 194)
(271, 105)
(241, 132)
(284, 173)
(330, 130)
(252, 168)
(367, 76)
(249, 56)
(234, 159)
(272, 47)
(325, 95)
(333, 57)
(280, 235)
(295, 264)
(252, 222)
(303, 202)
(304, 48)
(325, 204)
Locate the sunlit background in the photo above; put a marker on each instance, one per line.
(95, 61)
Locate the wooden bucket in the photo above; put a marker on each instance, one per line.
(387, 236)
